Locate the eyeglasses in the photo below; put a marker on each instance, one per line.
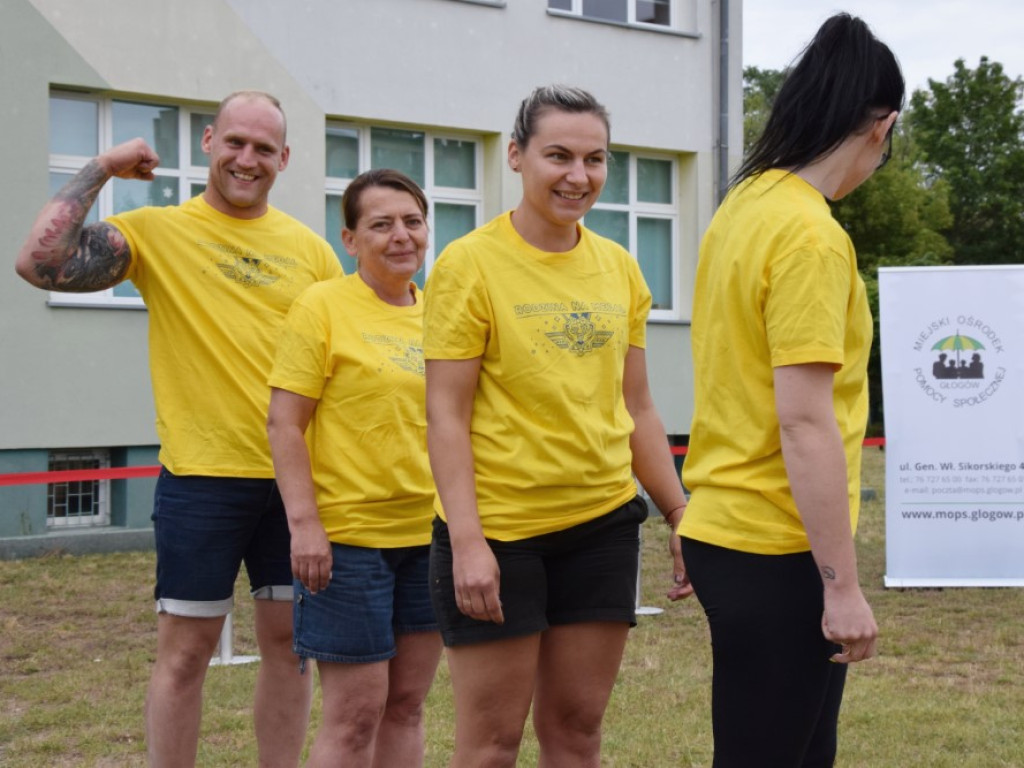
(887, 154)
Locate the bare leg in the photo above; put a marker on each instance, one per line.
(174, 701)
(283, 696)
(400, 739)
(493, 685)
(577, 669)
(353, 702)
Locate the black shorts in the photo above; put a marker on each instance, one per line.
(582, 574)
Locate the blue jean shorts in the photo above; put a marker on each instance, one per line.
(373, 595)
(205, 528)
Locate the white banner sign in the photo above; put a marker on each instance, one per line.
(953, 386)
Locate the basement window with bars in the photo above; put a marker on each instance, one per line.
(78, 503)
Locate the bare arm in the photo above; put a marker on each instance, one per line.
(451, 388)
(652, 461)
(60, 254)
(812, 449)
(287, 420)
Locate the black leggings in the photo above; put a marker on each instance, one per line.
(775, 695)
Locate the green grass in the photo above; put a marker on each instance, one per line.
(77, 636)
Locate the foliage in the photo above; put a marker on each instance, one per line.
(971, 133)
(759, 89)
(895, 219)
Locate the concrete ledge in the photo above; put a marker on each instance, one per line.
(89, 541)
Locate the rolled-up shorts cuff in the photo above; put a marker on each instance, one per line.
(195, 609)
(279, 593)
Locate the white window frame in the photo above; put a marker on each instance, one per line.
(674, 25)
(637, 209)
(187, 175)
(336, 185)
(101, 489)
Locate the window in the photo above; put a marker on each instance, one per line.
(77, 503)
(82, 126)
(657, 12)
(448, 168)
(638, 210)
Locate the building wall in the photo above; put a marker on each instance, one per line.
(77, 377)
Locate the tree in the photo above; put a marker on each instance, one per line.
(759, 89)
(971, 132)
(895, 219)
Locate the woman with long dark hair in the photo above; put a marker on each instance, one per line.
(781, 335)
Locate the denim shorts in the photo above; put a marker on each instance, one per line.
(205, 528)
(373, 595)
(582, 574)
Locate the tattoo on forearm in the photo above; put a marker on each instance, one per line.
(828, 572)
(72, 258)
(85, 184)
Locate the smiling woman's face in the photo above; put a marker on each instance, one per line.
(564, 166)
(390, 239)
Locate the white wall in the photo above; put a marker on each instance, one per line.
(78, 377)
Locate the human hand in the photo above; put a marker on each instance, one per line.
(681, 586)
(131, 160)
(849, 622)
(477, 581)
(312, 560)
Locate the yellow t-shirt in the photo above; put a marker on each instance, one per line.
(550, 430)
(777, 284)
(362, 359)
(217, 289)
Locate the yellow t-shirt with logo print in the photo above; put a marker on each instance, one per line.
(362, 360)
(217, 289)
(777, 284)
(550, 430)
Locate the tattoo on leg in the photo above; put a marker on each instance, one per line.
(828, 572)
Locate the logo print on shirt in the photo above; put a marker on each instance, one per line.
(402, 351)
(410, 359)
(578, 335)
(247, 271)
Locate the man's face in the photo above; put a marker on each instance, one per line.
(247, 151)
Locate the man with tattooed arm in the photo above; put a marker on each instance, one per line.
(218, 274)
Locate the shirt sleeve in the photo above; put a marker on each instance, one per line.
(640, 304)
(300, 364)
(132, 226)
(806, 307)
(457, 319)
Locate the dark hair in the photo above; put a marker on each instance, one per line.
(379, 177)
(562, 97)
(845, 77)
(254, 95)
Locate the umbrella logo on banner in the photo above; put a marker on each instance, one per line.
(965, 363)
(966, 370)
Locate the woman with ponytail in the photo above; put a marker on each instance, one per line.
(781, 334)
